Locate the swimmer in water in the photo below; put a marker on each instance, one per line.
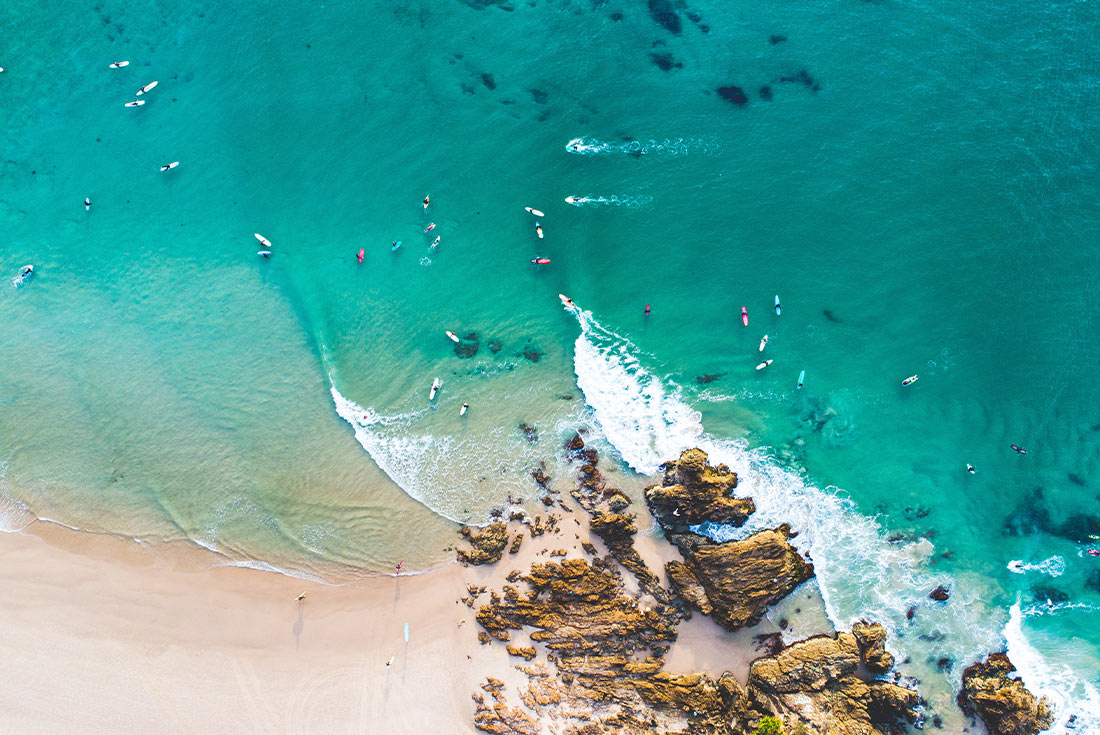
(1092, 552)
(970, 469)
(430, 227)
(647, 309)
(910, 380)
(538, 229)
(1018, 450)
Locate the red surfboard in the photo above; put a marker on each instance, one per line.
(361, 251)
(540, 261)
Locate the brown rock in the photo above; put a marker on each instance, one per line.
(488, 544)
(940, 594)
(871, 640)
(1004, 705)
(527, 652)
(741, 578)
(687, 587)
(693, 492)
(514, 548)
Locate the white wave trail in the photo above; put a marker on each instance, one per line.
(859, 572)
(668, 146)
(1069, 696)
(1054, 566)
(630, 201)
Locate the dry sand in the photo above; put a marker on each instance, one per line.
(102, 635)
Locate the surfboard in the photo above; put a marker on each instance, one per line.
(462, 411)
(744, 316)
(435, 242)
(777, 304)
(427, 201)
(434, 390)
(763, 342)
(538, 230)
(266, 243)
(146, 88)
(362, 252)
(119, 64)
(910, 380)
(406, 632)
(801, 377)
(135, 103)
(87, 203)
(263, 253)
(540, 261)
(535, 212)
(764, 364)
(452, 336)
(566, 300)
(430, 227)
(169, 166)
(396, 245)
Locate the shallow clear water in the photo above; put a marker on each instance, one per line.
(920, 190)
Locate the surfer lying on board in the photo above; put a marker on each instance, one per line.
(1018, 450)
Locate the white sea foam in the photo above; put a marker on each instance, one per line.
(1054, 566)
(631, 201)
(860, 572)
(1068, 694)
(14, 513)
(668, 146)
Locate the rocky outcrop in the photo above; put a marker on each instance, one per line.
(871, 640)
(693, 492)
(739, 579)
(617, 531)
(816, 681)
(488, 544)
(1002, 702)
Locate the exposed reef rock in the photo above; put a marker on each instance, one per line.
(739, 579)
(488, 544)
(617, 531)
(694, 492)
(1004, 705)
(816, 681)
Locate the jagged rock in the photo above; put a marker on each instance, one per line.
(500, 719)
(940, 594)
(617, 532)
(693, 492)
(575, 444)
(488, 544)
(871, 640)
(527, 652)
(687, 587)
(514, 548)
(1004, 704)
(618, 502)
(741, 578)
(815, 681)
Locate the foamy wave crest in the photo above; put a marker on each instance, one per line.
(14, 514)
(1054, 566)
(1070, 696)
(631, 201)
(860, 573)
(668, 146)
(460, 480)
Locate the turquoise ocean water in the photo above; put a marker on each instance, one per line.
(917, 182)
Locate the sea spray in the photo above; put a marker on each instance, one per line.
(1054, 566)
(668, 146)
(1068, 694)
(630, 201)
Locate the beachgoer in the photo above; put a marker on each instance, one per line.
(1092, 552)
(390, 662)
(436, 241)
(399, 566)
(465, 408)
(427, 200)
(300, 597)
(430, 227)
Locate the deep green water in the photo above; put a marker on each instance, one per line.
(922, 194)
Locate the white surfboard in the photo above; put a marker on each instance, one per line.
(119, 64)
(169, 166)
(452, 336)
(434, 390)
(535, 212)
(264, 253)
(266, 243)
(565, 300)
(462, 411)
(146, 88)
(135, 103)
(764, 364)
(763, 342)
(777, 308)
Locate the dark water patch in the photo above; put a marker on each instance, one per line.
(704, 28)
(532, 353)
(802, 77)
(466, 350)
(665, 61)
(1076, 479)
(708, 378)
(507, 102)
(664, 15)
(775, 39)
(616, 17)
(765, 93)
(544, 116)
(494, 346)
(488, 81)
(467, 89)
(539, 96)
(831, 316)
(483, 4)
(1029, 516)
(1080, 527)
(1043, 593)
(915, 513)
(945, 664)
(1093, 581)
(733, 95)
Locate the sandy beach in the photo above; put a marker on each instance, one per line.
(105, 635)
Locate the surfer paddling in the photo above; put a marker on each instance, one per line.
(566, 300)
(427, 201)
(970, 468)
(1018, 450)
(87, 204)
(435, 242)
(464, 409)
(910, 380)
(430, 227)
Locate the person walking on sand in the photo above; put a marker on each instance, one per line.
(399, 567)
(300, 597)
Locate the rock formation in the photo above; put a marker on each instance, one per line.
(488, 544)
(693, 492)
(736, 581)
(1001, 701)
(816, 681)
